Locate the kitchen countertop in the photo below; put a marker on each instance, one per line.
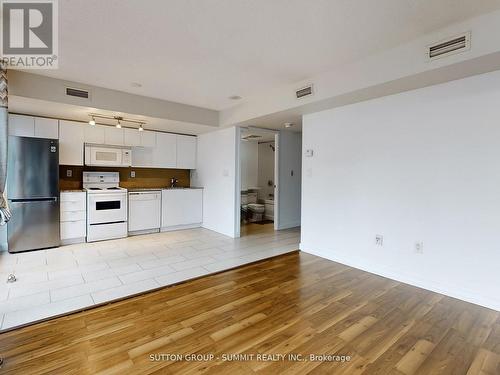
(72, 191)
(162, 188)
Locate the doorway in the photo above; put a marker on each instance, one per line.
(268, 180)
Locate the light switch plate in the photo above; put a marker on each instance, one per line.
(132, 174)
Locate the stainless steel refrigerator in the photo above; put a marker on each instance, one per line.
(33, 193)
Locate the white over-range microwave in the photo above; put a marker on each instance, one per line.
(108, 156)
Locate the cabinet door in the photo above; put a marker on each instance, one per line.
(142, 157)
(71, 140)
(46, 128)
(132, 137)
(193, 206)
(186, 152)
(148, 139)
(172, 208)
(113, 136)
(181, 207)
(22, 126)
(165, 152)
(94, 134)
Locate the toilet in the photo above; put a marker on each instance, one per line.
(251, 210)
(269, 209)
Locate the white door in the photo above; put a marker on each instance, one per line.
(132, 137)
(71, 140)
(94, 134)
(21, 126)
(46, 128)
(113, 136)
(186, 152)
(165, 152)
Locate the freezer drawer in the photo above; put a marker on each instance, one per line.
(34, 224)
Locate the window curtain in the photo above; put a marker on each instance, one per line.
(4, 134)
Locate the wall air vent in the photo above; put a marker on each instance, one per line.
(304, 91)
(79, 93)
(449, 47)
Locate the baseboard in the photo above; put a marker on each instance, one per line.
(438, 287)
(293, 224)
(180, 227)
(144, 231)
(72, 241)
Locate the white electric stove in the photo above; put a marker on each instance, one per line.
(106, 206)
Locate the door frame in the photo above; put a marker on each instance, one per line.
(237, 176)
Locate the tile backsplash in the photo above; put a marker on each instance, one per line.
(144, 177)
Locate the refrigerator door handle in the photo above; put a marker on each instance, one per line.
(30, 200)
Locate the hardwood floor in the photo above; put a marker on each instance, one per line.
(256, 228)
(296, 303)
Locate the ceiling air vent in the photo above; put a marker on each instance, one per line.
(79, 93)
(304, 91)
(449, 47)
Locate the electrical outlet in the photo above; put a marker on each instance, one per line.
(379, 240)
(419, 247)
(132, 174)
(69, 173)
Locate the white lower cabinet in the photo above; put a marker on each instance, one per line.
(73, 217)
(181, 208)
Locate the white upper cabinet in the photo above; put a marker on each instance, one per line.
(46, 128)
(186, 152)
(36, 127)
(94, 134)
(71, 140)
(132, 137)
(165, 152)
(22, 126)
(113, 136)
(148, 138)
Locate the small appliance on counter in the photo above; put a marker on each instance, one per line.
(107, 212)
(33, 193)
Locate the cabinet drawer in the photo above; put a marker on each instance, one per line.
(73, 196)
(73, 215)
(77, 205)
(73, 229)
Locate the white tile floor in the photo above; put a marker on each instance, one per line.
(56, 281)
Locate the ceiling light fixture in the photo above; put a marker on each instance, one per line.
(118, 119)
(288, 124)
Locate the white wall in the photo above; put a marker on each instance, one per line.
(3, 238)
(216, 168)
(289, 181)
(266, 169)
(249, 151)
(418, 166)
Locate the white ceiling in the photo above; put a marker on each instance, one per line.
(200, 52)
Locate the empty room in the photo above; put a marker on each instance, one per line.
(250, 187)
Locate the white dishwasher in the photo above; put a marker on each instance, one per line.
(144, 211)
